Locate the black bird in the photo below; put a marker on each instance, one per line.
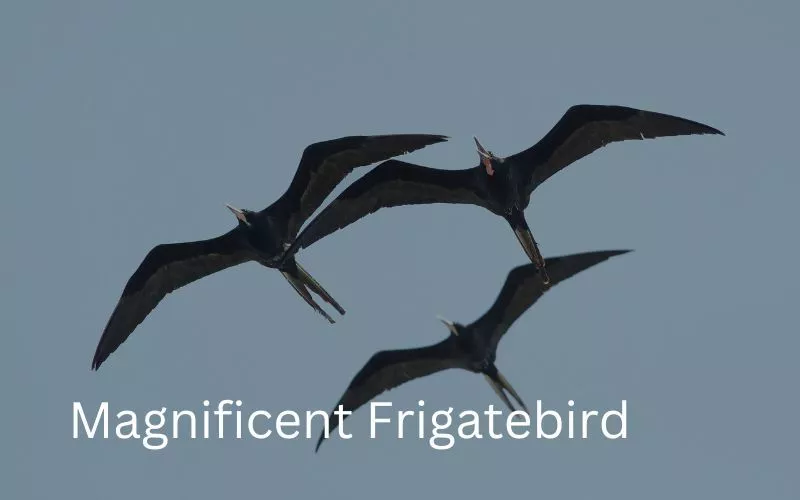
(472, 347)
(259, 236)
(501, 185)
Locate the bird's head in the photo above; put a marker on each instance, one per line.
(244, 216)
(488, 159)
(454, 328)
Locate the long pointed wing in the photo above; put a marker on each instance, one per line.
(389, 369)
(523, 287)
(324, 165)
(390, 184)
(165, 269)
(586, 128)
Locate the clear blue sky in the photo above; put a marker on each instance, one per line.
(128, 124)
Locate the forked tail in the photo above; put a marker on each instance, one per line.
(315, 287)
(531, 248)
(500, 385)
(300, 288)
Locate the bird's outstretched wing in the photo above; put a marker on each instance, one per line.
(390, 184)
(165, 269)
(586, 128)
(389, 369)
(523, 287)
(324, 165)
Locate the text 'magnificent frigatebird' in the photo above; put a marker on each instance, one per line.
(261, 236)
(501, 185)
(472, 347)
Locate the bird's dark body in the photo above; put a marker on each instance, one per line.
(267, 237)
(503, 191)
(474, 348)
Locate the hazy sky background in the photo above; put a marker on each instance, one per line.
(128, 124)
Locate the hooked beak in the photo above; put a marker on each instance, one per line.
(486, 156)
(238, 213)
(481, 150)
(449, 324)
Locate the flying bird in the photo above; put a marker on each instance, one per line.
(502, 185)
(472, 347)
(261, 236)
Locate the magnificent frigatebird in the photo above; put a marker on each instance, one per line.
(259, 236)
(501, 185)
(472, 347)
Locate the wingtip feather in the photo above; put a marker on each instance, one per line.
(620, 252)
(98, 359)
